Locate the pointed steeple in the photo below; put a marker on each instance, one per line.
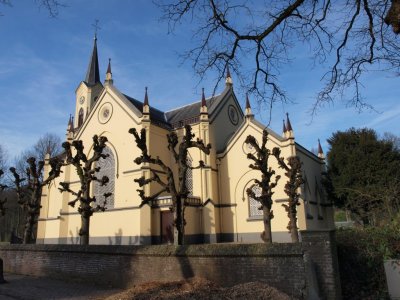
(248, 112)
(109, 79)
(284, 127)
(146, 107)
(92, 74)
(288, 124)
(203, 108)
(70, 126)
(146, 97)
(320, 151)
(203, 99)
(228, 79)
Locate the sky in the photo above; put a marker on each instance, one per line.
(44, 59)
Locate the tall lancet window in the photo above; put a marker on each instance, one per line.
(107, 168)
(80, 117)
(254, 205)
(189, 176)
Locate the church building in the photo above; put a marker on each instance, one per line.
(220, 209)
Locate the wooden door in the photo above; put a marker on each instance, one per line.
(167, 227)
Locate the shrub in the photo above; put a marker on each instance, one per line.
(361, 252)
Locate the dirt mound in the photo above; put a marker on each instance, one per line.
(199, 288)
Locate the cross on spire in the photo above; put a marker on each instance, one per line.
(96, 27)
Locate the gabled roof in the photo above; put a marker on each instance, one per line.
(191, 111)
(155, 114)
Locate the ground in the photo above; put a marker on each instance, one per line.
(31, 288)
(199, 288)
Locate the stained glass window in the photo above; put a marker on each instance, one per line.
(254, 205)
(107, 168)
(189, 176)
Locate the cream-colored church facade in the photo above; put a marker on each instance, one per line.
(219, 210)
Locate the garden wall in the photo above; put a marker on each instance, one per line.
(281, 265)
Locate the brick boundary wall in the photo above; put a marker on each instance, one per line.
(280, 265)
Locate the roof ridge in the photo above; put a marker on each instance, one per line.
(195, 102)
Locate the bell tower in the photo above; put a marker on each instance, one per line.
(89, 89)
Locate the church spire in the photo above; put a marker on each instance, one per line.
(92, 74)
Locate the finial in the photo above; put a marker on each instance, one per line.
(247, 101)
(109, 66)
(288, 125)
(203, 99)
(109, 79)
(69, 126)
(228, 79)
(320, 151)
(146, 97)
(284, 127)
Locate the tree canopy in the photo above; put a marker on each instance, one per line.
(256, 38)
(364, 174)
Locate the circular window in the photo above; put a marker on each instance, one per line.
(105, 113)
(233, 115)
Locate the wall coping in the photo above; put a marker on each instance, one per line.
(200, 250)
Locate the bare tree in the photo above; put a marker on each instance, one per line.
(179, 192)
(86, 170)
(294, 181)
(30, 193)
(49, 143)
(262, 154)
(2, 200)
(52, 6)
(255, 39)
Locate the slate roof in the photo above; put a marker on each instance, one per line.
(181, 116)
(92, 74)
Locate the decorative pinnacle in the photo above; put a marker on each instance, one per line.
(146, 97)
(284, 127)
(247, 101)
(203, 99)
(109, 66)
(228, 79)
(288, 125)
(320, 151)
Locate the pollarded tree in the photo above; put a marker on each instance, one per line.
(29, 193)
(262, 154)
(294, 181)
(86, 170)
(179, 191)
(2, 201)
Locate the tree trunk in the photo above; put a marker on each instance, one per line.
(293, 227)
(30, 223)
(1, 272)
(267, 234)
(178, 220)
(84, 231)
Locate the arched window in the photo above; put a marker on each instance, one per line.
(80, 117)
(254, 205)
(107, 168)
(189, 176)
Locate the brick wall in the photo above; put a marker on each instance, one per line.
(280, 265)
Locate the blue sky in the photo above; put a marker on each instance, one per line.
(44, 59)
